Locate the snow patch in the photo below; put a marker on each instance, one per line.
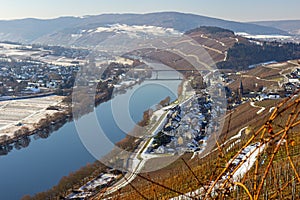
(255, 106)
(245, 159)
(247, 35)
(76, 35)
(136, 29)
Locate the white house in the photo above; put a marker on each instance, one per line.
(51, 84)
(294, 80)
(35, 89)
(273, 96)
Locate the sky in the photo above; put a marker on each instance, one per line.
(237, 10)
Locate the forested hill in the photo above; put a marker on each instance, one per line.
(213, 31)
(244, 54)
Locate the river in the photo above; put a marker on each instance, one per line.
(44, 162)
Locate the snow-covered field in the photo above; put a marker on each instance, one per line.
(23, 52)
(26, 112)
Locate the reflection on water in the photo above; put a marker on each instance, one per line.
(34, 164)
(24, 141)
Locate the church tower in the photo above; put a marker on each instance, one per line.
(241, 89)
(240, 92)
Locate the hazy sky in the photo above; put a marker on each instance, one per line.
(239, 10)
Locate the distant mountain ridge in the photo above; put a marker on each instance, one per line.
(60, 29)
(291, 26)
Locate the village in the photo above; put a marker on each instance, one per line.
(29, 71)
(186, 127)
(269, 81)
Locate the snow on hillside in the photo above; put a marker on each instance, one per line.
(135, 30)
(245, 161)
(239, 166)
(246, 35)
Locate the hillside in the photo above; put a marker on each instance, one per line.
(243, 55)
(226, 50)
(70, 30)
(291, 26)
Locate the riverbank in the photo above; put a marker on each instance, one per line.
(7, 98)
(23, 117)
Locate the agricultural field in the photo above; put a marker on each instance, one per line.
(14, 116)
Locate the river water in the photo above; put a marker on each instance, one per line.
(44, 162)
